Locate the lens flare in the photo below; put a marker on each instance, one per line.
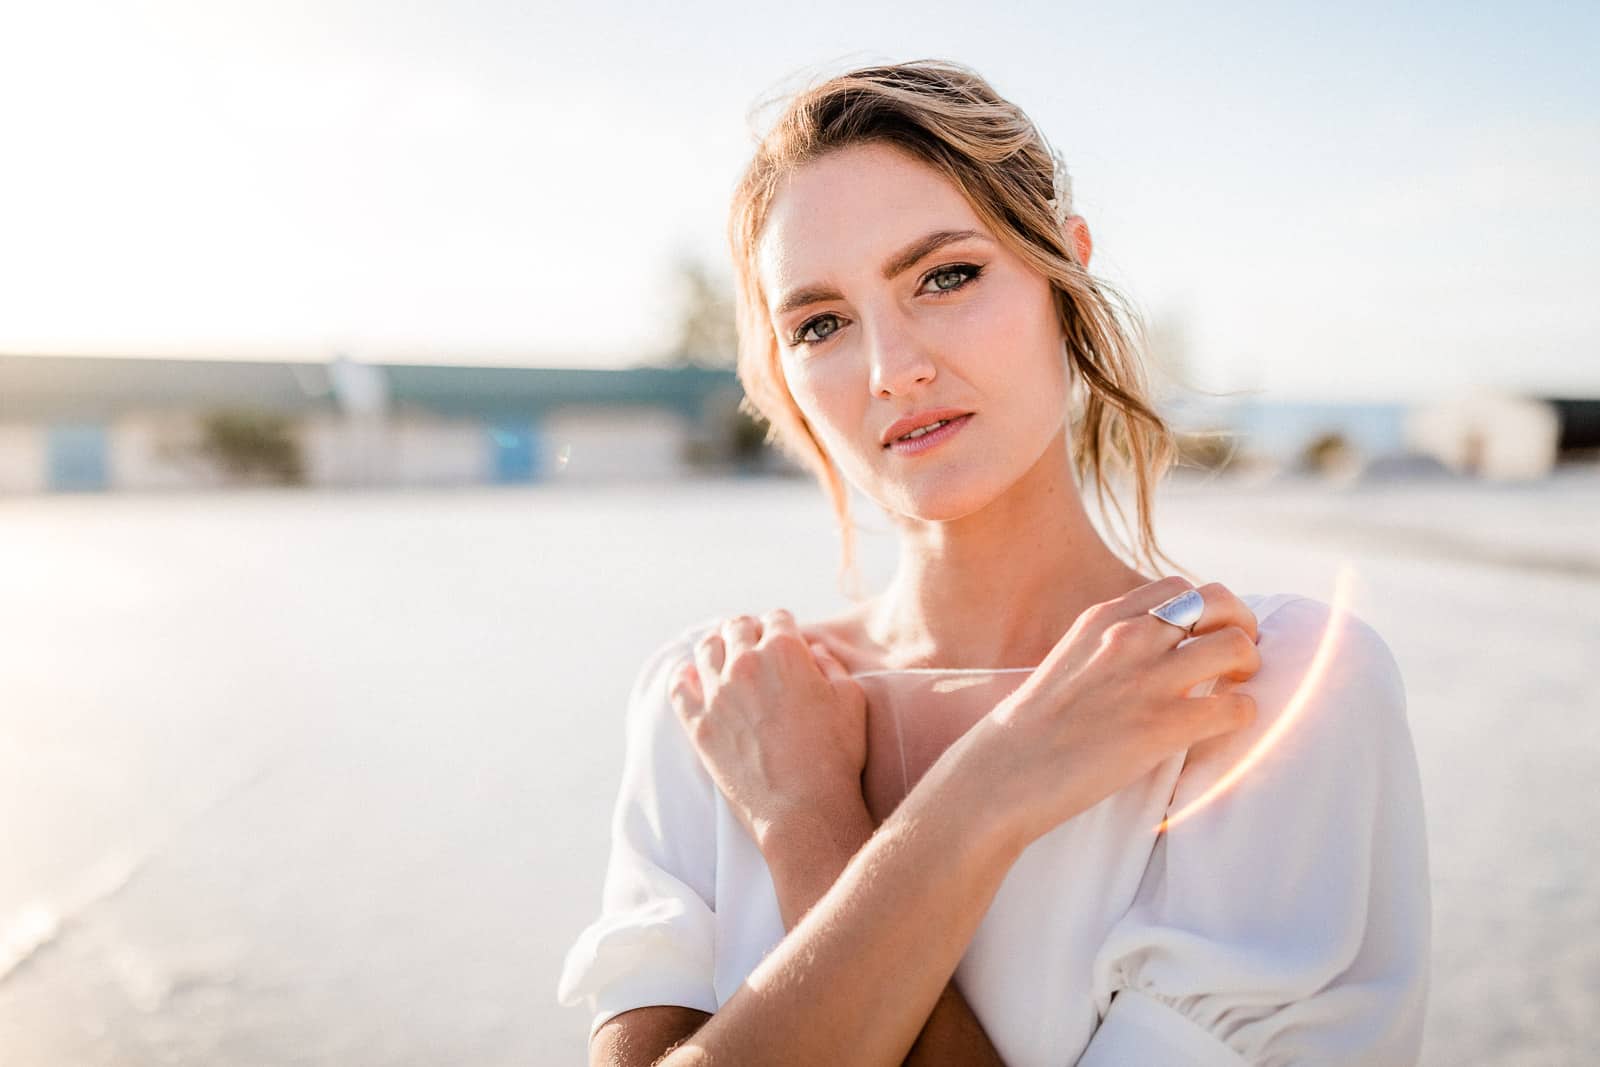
(1327, 647)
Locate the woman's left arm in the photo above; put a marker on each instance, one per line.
(786, 744)
(806, 857)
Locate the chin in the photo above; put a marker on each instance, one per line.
(938, 497)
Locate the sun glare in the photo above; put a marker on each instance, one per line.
(1327, 647)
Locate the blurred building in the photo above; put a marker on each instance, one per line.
(1283, 436)
(87, 423)
(1483, 432)
(1501, 435)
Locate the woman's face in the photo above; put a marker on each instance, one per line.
(881, 313)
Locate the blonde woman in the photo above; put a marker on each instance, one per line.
(792, 880)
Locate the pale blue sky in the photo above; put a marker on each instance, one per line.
(1335, 202)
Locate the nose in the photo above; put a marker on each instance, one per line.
(900, 363)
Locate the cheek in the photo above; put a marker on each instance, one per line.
(1009, 347)
(832, 395)
(821, 388)
(803, 387)
(1022, 367)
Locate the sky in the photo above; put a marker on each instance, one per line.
(1324, 203)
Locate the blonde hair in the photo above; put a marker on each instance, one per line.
(950, 118)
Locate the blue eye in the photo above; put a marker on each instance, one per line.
(966, 271)
(800, 337)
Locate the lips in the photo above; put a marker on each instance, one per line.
(900, 427)
(929, 440)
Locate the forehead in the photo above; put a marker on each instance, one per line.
(842, 215)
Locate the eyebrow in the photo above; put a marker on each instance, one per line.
(897, 264)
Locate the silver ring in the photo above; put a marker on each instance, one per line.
(1182, 611)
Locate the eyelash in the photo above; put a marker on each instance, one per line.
(972, 271)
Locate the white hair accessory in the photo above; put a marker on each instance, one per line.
(1061, 186)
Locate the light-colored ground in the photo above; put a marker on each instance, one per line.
(322, 778)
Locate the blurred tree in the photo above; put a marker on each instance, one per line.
(706, 335)
(252, 446)
(731, 434)
(1329, 454)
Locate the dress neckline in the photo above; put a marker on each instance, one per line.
(942, 670)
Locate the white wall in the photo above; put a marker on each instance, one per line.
(1489, 433)
(157, 451)
(346, 450)
(412, 449)
(612, 444)
(22, 458)
(429, 451)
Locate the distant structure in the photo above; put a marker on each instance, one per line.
(1478, 433)
(1580, 426)
(106, 423)
(1266, 438)
(1504, 436)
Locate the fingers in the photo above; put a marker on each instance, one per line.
(1150, 595)
(683, 685)
(736, 637)
(828, 661)
(1220, 609)
(779, 622)
(739, 635)
(1228, 653)
(1221, 645)
(695, 682)
(708, 658)
(1212, 715)
(1223, 608)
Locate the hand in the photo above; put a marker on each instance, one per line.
(1109, 703)
(778, 722)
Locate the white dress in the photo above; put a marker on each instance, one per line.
(1287, 921)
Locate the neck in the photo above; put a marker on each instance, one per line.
(998, 587)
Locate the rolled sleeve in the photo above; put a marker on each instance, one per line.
(653, 942)
(1140, 1029)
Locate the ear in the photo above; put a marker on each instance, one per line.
(1078, 238)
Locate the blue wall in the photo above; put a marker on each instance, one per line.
(76, 457)
(1283, 428)
(514, 452)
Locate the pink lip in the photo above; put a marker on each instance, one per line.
(917, 420)
(932, 439)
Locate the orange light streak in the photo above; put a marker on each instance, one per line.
(1326, 648)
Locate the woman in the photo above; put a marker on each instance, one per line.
(780, 890)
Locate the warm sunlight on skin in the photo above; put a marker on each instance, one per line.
(889, 296)
(965, 325)
(1327, 648)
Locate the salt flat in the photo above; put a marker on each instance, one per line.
(323, 777)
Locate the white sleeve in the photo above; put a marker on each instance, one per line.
(1288, 921)
(652, 942)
